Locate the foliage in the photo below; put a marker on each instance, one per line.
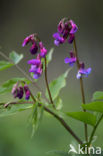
(5, 65)
(50, 101)
(15, 57)
(85, 117)
(57, 84)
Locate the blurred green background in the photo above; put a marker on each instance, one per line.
(19, 18)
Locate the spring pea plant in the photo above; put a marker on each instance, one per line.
(50, 101)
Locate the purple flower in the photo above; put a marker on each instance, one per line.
(36, 44)
(58, 39)
(37, 72)
(28, 39)
(27, 95)
(20, 92)
(83, 71)
(36, 67)
(17, 91)
(34, 49)
(71, 38)
(33, 68)
(74, 27)
(36, 62)
(61, 26)
(27, 92)
(65, 28)
(70, 60)
(43, 50)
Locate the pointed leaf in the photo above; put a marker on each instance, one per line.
(15, 57)
(85, 117)
(56, 85)
(98, 95)
(4, 65)
(58, 103)
(94, 106)
(49, 55)
(36, 117)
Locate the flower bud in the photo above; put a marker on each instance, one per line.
(27, 92)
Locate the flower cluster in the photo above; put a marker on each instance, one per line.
(36, 44)
(66, 28)
(18, 91)
(36, 67)
(36, 64)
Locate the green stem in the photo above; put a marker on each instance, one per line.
(47, 85)
(94, 130)
(82, 88)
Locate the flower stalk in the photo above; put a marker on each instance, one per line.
(47, 85)
(81, 87)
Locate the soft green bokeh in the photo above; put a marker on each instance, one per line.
(20, 18)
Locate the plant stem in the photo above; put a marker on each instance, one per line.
(47, 85)
(53, 114)
(82, 88)
(24, 73)
(94, 130)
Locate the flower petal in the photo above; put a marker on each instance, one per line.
(34, 61)
(67, 60)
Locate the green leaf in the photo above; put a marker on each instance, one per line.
(94, 106)
(15, 57)
(49, 55)
(85, 117)
(14, 109)
(58, 103)
(36, 117)
(4, 65)
(7, 86)
(56, 85)
(98, 95)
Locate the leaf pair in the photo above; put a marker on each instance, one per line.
(36, 117)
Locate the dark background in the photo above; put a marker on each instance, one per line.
(20, 18)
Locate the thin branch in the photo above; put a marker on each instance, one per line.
(82, 88)
(53, 114)
(47, 85)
